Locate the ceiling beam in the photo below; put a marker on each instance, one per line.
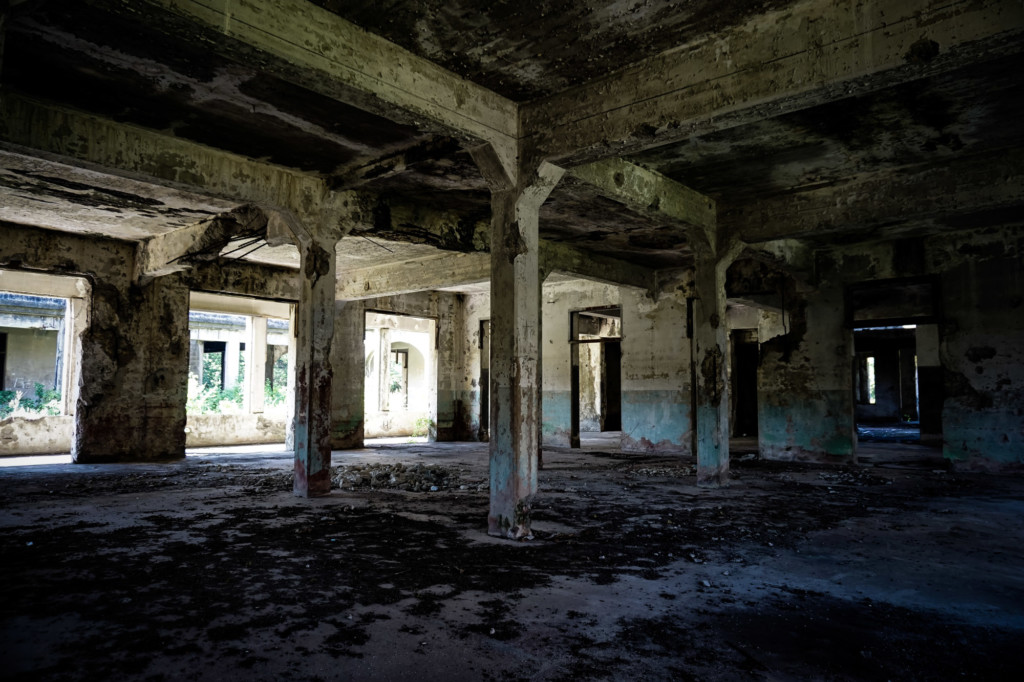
(781, 61)
(179, 250)
(460, 269)
(559, 257)
(318, 41)
(141, 154)
(425, 274)
(648, 191)
(956, 194)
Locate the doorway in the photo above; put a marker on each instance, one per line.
(897, 374)
(596, 371)
(400, 362)
(745, 359)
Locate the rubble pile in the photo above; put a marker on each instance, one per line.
(662, 472)
(852, 477)
(414, 478)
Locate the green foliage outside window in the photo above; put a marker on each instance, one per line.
(46, 402)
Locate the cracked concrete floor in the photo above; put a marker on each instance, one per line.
(211, 569)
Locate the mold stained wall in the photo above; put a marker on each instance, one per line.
(805, 378)
(982, 346)
(980, 349)
(476, 308)
(133, 362)
(656, 356)
(558, 300)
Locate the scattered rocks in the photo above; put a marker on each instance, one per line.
(851, 477)
(414, 478)
(662, 472)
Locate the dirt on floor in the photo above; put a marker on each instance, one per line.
(210, 569)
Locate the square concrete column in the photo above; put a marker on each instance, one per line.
(313, 372)
(515, 337)
(712, 256)
(133, 378)
(711, 394)
(383, 369)
(232, 363)
(255, 363)
(347, 402)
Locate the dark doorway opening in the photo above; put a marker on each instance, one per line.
(611, 386)
(484, 431)
(596, 371)
(746, 356)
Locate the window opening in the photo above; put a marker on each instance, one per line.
(32, 347)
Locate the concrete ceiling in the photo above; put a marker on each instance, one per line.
(524, 51)
(151, 69)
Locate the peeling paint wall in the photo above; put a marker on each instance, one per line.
(655, 373)
(476, 309)
(805, 384)
(982, 347)
(973, 356)
(558, 300)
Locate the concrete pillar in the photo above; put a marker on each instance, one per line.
(451, 363)
(133, 381)
(384, 369)
(290, 400)
(574, 380)
(347, 398)
(711, 388)
(78, 323)
(195, 359)
(313, 372)
(515, 330)
(232, 355)
(255, 363)
(930, 382)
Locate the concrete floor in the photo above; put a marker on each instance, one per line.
(211, 569)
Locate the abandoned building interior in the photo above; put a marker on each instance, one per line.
(687, 231)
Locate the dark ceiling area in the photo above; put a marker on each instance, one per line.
(970, 111)
(528, 50)
(144, 66)
(111, 66)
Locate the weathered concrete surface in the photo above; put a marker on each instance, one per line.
(134, 373)
(178, 163)
(879, 560)
(314, 331)
(805, 382)
(134, 355)
(710, 356)
(515, 337)
(337, 50)
(982, 348)
(656, 385)
(349, 365)
(449, 357)
(203, 430)
(36, 435)
(776, 62)
(474, 382)
(559, 299)
(956, 193)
